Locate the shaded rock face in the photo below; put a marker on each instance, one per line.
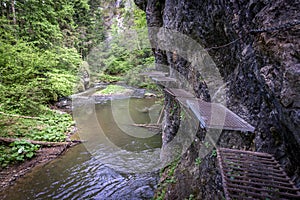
(255, 45)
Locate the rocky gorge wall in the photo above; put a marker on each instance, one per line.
(255, 45)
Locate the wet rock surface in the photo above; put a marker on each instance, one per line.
(255, 45)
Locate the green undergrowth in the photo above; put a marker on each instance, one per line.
(50, 127)
(167, 178)
(106, 78)
(113, 89)
(16, 152)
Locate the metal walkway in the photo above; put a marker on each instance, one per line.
(179, 93)
(217, 116)
(246, 175)
(153, 73)
(210, 115)
(254, 175)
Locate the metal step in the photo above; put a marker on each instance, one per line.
(217, 116)
(254, 175)
(179, 93)
(153, 73)
(165, 81)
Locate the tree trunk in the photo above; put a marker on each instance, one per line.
(12, 2)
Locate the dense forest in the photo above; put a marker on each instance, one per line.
(42, 46)
(45, 48)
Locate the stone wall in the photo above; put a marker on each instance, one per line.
(255, 45)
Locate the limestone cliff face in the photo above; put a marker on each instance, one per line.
(257, 53)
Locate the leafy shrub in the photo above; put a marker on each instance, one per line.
(108, 78)
(16, 152)
(30, 78)
(113, 89)
(50, 127)
(22, 149)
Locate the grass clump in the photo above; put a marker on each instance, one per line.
(106, 78)
(114, 89)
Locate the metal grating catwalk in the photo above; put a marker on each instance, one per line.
(164, 81)
(153, 73)
(179, 93)
(217, 116)
(254, 175)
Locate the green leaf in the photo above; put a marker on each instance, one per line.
(21, 149)
(29, 155)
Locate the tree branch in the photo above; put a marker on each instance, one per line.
(42, 143)
(19, 116)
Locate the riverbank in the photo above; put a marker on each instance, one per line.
(95, 170)
(9, 175)
(27, 142)
(43, 156)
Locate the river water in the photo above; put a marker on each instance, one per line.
(118, 161)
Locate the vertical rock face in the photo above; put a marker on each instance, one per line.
(255, 45)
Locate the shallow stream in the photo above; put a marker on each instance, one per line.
(118, 161)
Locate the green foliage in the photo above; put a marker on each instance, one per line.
(133, 78)
(140, 21)
(119, 64)
(168, 173)
(109, 78)
(161, 195)
(41, 48)
(214, 153)
(4, 158)
(198, 161)
(191, 197)
(128, 51)
(59, 84)
(182, 115)
(51, 127)
(16, 152)
(22, 149)
(31, 78)
(90, 30)
(113, 89)
(46, 24)
(207, 145)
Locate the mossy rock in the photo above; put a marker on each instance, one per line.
(114, 90)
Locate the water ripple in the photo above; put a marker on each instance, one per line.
(100, 173)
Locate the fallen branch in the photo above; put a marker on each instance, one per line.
(19, 116)
(157, 126)
(42, 143)
(161, 114)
